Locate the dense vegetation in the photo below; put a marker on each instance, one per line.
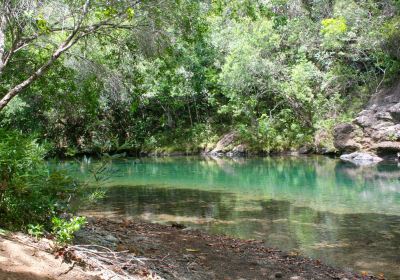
(100, 76)
(178, 74)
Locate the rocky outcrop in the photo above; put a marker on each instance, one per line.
(225, 143)
(361, 159)
(346, 137)
(387, 147)
(375, 129)
(229, 146)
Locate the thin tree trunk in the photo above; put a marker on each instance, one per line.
(37, 74)
(190, 112)
(195, 108)
(64, 46)
(2, 40)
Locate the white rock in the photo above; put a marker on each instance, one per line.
(361, 159)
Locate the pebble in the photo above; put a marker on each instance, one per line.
(278, 275)
(111, 238)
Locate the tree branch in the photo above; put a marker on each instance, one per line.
(71, 40)
(77, 32)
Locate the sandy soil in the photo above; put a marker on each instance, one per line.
(20, 259)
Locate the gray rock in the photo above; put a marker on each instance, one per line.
(391, 133)
(228, 146)
(384, 116)
(306, 149)
(110, 238)
(361, 159)
(395, 111)
(387, 147)
(376, 128)
(222, 145)
(365, 118)
(344, 138)
(326, 151)
(240, 149)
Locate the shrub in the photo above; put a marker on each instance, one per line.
(30, 191)
(64, 230)
(36, 230)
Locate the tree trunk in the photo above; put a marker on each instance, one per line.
(2, 40)
(64, 46)
(37, 74)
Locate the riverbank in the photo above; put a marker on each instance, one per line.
(174, 252)
(160, 252)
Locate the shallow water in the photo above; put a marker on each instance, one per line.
(348, 217)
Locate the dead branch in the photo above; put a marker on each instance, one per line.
(112, 265)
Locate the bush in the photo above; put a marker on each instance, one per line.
(64, 230)
(30, 192)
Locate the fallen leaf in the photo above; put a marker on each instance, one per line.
(192, 250)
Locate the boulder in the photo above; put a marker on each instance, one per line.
(391, 133)
(345, 136)
(384, 116)
(306, 149)
(387, 147)
(224, 143)
(377, 128)
(240, 149)
(361, 159)
(395, 111)
(366, 118)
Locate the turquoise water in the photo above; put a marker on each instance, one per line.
(348, 217)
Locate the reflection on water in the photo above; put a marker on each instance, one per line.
(346, 216)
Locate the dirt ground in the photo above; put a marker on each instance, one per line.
(20, 259)
(177, 253)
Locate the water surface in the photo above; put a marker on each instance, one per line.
(348, 217)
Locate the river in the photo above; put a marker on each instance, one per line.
(347, 217)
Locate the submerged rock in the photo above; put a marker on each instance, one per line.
(361, 159)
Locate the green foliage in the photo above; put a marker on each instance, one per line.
(30, 193)
(192, 70)
(42, 25)
(391, 33)
(36, 230)
(64, 230)
(333, 26)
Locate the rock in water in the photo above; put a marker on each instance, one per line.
(361, 159)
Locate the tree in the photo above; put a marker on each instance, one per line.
(55, 26)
